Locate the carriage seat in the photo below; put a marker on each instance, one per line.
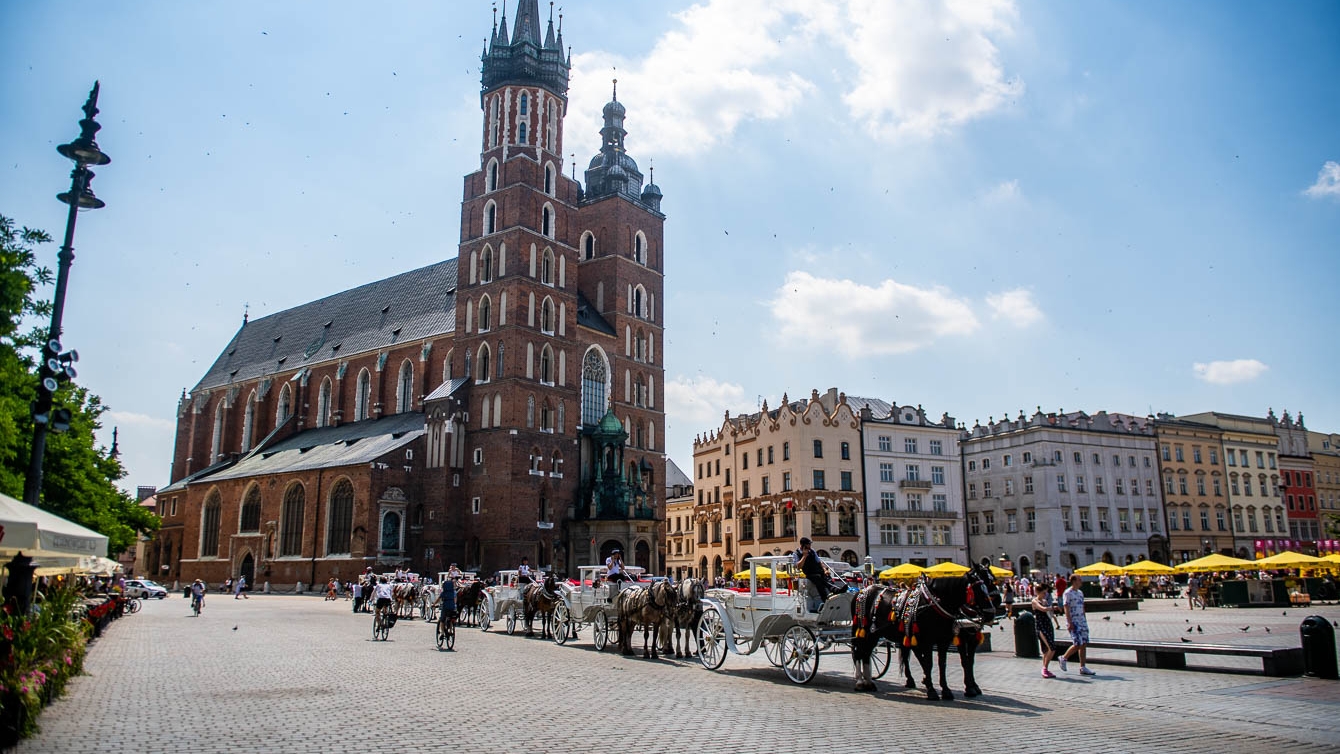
(813, 603)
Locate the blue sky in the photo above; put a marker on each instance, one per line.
(980, 207)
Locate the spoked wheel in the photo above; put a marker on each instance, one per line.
(800, 654)
(711, 640)
(772, 648)
(441, 635)
(511, 622)
(133, 606)
(451, 635)
(485, 615)
(880, 659)
(561, 617)
(600, 630)
(379, 629)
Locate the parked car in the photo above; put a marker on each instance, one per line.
(144, 589)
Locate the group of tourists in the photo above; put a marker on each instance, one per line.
(1046, 609)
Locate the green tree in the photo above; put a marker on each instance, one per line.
(79, 479)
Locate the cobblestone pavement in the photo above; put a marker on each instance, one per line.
(297, 674)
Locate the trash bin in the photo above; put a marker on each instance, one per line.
(1025, 635)
(186, 592)
(1318, 648)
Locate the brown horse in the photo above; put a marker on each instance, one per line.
(685, 616)
(648, 607)
(469, 596)
(403, 599)
(540, 598)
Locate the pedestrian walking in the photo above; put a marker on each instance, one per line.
(1044, 611)
(358, 595)
(240, 587)
(1193, 593)
(1077, 623)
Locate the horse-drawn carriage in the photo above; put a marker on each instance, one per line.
(590, 602)
(788, 622)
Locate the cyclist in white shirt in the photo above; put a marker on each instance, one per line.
(382, 593)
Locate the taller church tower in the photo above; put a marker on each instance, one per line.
(557, 334)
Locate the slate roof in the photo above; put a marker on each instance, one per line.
(588, 317)
(406, 307)
(330, 447)
(446, 388)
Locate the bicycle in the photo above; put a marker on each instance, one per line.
(446, 631)
(133, 605)
(197, 604)
(382, 623)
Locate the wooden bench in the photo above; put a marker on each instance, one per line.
(1275, 661)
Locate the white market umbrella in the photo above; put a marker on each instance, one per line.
(40, 534)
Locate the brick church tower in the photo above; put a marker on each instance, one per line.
(558, 330)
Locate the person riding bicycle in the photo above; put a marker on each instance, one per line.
(198, 595)
(446, 602)
(382, 594)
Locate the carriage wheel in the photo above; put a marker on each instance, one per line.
(560, 624)
(772, 648)
(711, 640)
(881, 658)
(485, 618)
(800, 654)
(511, 622)
(600, 630)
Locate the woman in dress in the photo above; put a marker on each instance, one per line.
(1044, 610)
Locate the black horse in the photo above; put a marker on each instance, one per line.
(469, 597)
(539, 599)
(922, 621)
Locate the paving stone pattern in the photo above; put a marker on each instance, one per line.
(299, 674)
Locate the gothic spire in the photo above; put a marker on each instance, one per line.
(527, 28)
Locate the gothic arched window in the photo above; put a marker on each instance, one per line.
(209, 526)
(251, 510)
(490, 218)
(249, 421)
(363, 395)
(323, 404)
(404, 398)
(285, 409)
(341, 517)
(291, 520)
(595, 387)
(485, 314)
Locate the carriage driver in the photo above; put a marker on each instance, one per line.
(614, 572)
(523, 571)
(454, 573)
(808, 562)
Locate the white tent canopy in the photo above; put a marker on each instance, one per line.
(40, 534)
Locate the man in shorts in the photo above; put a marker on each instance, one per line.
(1073, 605)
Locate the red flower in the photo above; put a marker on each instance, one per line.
(9, 634)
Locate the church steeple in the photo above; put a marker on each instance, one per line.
(524, 59)
(613, 172)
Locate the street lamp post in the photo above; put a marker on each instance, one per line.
(57, 366)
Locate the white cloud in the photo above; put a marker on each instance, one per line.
(699, 81)
(1003, 192)
(920, 69)
(1016, 307)
(700, 402)
(924, 68)
(1229, 372)
(1328, 182)
(857, 319)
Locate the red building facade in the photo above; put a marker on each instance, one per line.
(501, 404)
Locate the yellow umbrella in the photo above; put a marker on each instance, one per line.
(1288, 559)
(946, 569)
(1333, 558)
(1148, 568)
(904, 571)
(763, 572)
(1001, 573)
(1215, 562)
(1098, 568)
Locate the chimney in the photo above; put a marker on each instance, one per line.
(143, 493)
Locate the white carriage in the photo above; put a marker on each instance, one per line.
(590, 602)
(503, 601)
(787, 621)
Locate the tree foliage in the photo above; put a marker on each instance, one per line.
(79, 477)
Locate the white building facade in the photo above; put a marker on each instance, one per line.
(913, 487)
(1055, 492)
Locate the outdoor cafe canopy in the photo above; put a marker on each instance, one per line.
(946, 569)
(902, 571)
(1001, 573)
(1288, 559)
(1148, 568)
(1215, 562)
(1098, 568)
(40, 534)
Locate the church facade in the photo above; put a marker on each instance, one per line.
(501, 404)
